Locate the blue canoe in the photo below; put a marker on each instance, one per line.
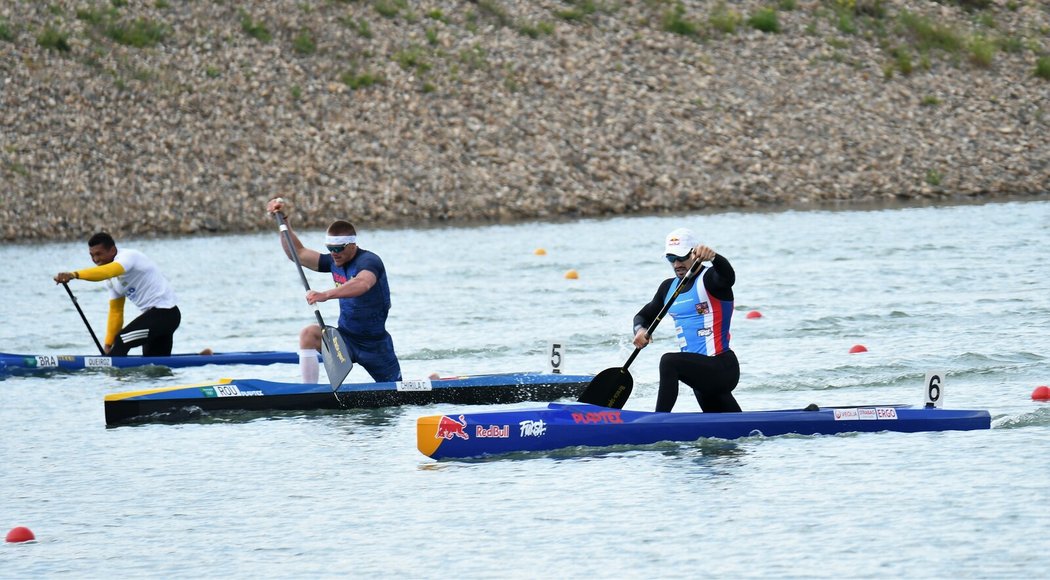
(569, 425)
(35, 363)
(180, 403)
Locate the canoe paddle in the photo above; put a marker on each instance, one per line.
(101, 350)
(337, 363)
(611, 387)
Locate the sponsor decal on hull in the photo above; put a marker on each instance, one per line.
(448, 428)
(866, 414)
(213, 391)
(492, 432)
(598, 417)
(414, 385)
(846, 415)
(97, 362)
(886, 413)
(43, 361)
(532, 428)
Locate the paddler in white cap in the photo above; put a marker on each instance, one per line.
(702, 313)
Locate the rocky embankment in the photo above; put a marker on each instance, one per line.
(169, 117)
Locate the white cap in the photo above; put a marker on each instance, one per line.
(680, 242)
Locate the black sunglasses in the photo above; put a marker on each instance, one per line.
(337, 249)
(673, 258)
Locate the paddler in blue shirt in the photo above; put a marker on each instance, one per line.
(364, 301)
(702, 314)
(130, 274)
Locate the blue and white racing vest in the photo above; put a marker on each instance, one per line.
(701, 320)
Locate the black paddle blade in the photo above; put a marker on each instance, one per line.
(609, 388)
(336, 356)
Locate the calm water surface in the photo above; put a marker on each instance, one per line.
(960, 289)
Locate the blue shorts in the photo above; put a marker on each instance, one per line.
(375, 355)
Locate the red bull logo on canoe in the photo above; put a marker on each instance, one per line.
(598, 417)
(449, 428)
(492, 432)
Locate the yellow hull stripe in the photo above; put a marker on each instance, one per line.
(131, 394)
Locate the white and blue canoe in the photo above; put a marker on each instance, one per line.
(189, 402)
(559, 426)
(37, 363)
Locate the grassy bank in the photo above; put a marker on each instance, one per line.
(184, 117)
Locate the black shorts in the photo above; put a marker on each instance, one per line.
(712, 378)
(153, 330)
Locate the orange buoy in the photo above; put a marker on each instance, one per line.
(858, 348)
(754, 314)
(540, 252)
(572, 275)
(20, 534)
(1041, 393)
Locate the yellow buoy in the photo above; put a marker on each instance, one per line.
(572, 275)
(540, 252)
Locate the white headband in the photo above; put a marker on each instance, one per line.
(339, 240)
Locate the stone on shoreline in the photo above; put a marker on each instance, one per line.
(457, 112)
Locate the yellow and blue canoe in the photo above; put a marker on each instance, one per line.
(180, 403)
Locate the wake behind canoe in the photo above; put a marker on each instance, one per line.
(569, 425)
(35, 363)
(169, 403)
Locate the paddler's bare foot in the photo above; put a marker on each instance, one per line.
(207, 352)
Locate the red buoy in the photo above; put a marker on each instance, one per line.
(1041, 393)
(754, 314)
(858, 348)
(20, 534)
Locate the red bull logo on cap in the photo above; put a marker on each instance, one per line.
(449, 428)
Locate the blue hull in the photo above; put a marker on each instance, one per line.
(576, 424)
(173, 404)
(35, 363)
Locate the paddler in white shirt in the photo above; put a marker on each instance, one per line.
(130, 274)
